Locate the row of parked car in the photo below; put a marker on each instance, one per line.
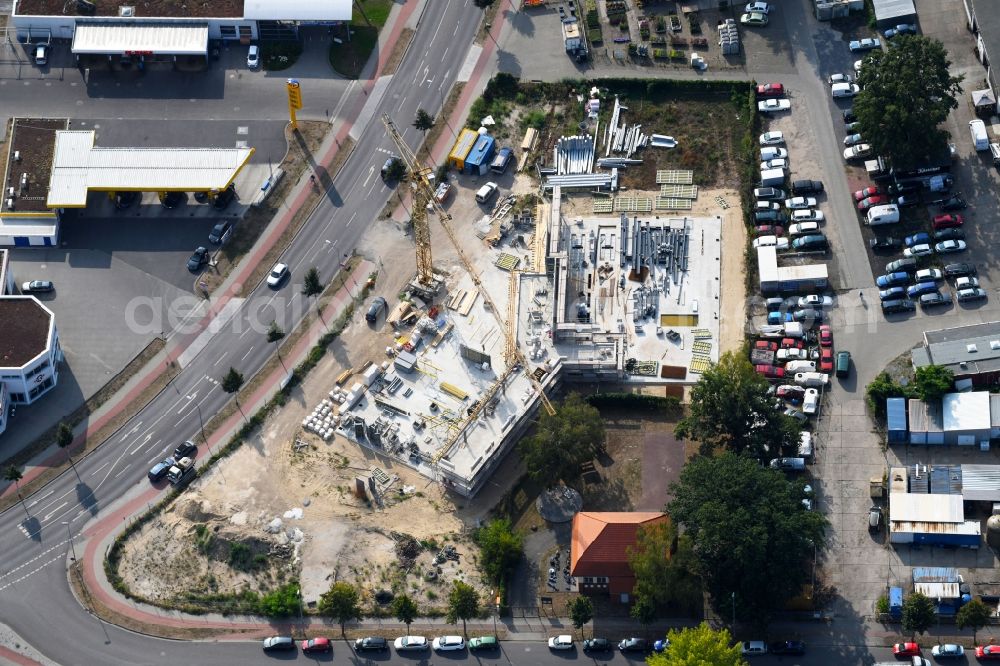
(904, 285)
(380, 644)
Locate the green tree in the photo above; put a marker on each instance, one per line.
(274, 334)
(231, 383)
(463, 604)
(14, 475)
(563, 442)
(311, 284)
(501, 548)
(750, 533)
(405, 610)
(918, 613)
(501, 86)
(664, 567)
(881, 388)
(699, 646)
(341, 602)
(423, 121)
(581, 611)
(282, 602)
(730, 408)
(974, 615)
(64, 438)
(643, 610)
(933, 381)
(906, 95)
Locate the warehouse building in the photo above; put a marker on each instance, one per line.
(890, 13)
(962, 419)
(971, 352)
(776, 279)
(165, 32)
(920, 514)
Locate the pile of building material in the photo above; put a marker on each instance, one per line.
(622, 138)
(323, 421)
(574, 154)
(650, 244)
(729, 37)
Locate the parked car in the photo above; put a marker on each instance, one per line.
(807, 215)
(787, 647)
(278, 643)
(897, 306)
(810, 404)
(253, 57)
(946, 221)
(768, 193)
(988, 652)
(770, 217)
(37, 287)
(907, 200)
(947, 651)
(960, 269)
(763, 8)
(277, 275)
(904, 187)
(791, 354)
(874, 518)
(908, 264)
(410, 643)
(807, 187)
(934, 298)
(772, 152)
(770, 89)
(770, 241)
(852, 139)
(807, 315)
(371, 644)
(633, 645)
(949, 234)
(906, 650)
(772, 139)
(375, 309)
(922, 250)
(884, 243)
(857, 152)
(800, 202)
(815, 301)
(770, 371)
(803, 229)
(825, 336)
(768, 230)
(839, 78)
(866, 44)
(449, 643)
(762, 205)
(774, 105)
(219, 232)
(843, 363)
(561, 642)
(790, 392)
(952, 203)
(838, 90)
(197, 260)
(754, 19)
(917, 239)
(950, 246)
(765, 345)
(596, 645)
(791, 343)
(160, 469)
(848, 114)
(892, 293)
(928, 274)
(753, 647)
(186, 449)
(775, 163)
(224, 198)
(901, 29)
(484, 643)
(317, 645)
(969, 295)
(812, 379)
(921, 288)
(826, 360)
(966, 283)
(875, 200)
(866, 192)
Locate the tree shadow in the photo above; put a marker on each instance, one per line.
(33, 528)
(85, 496)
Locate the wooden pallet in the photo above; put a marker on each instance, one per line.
(633, 204)
(507, 262)
(679, 191)
(698, 366)
(701, 334)
(675, 177)
(603, 205)
(701, 347)
(670, 203)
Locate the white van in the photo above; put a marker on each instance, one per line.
(883, 215)
(486, 192)
(772, 177)
(844, 89)
(995, 152)
(979, 138)
(806, 445)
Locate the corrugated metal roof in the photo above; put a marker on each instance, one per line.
(946, 479)
(297, 10)
(158, 38)
(895, 409)
(981, 482)
(969, 527)
(995, 410)
(935, 575)
(966, 411)
(890, 9)
(78, 167)
(938, 590)
(910, 507)
(925, 417)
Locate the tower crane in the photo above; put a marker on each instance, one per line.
(424, 196)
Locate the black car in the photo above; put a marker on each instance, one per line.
(952, 203)
(376, 308)
(949, 234)
(907, 200)
(219, 232)
(171, 199)
(198, 259)
(960, 270)
(807, 187)
(769, 217)
(185, 450)
(124, 200)
(885, 243)
(633, 645)
(849, 116)
(160, 469)
(224, 198)
(787, 647)
(596, 645)
(371, 644)
(898, 305)
(276, 643)
(904, 187)
(808, 315)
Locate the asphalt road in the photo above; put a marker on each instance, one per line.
(34, 595)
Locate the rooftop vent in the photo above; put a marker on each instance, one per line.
(972, 349)
(126, 12)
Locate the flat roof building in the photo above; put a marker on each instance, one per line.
(776, 279)
(29, 352)
(970, 352)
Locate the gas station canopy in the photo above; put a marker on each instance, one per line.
(141, 39)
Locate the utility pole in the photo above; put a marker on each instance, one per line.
(734, 611)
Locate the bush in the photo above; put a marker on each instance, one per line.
(635, 401)
(535, 118)
(283, 602)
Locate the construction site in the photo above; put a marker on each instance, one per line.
(618, 299)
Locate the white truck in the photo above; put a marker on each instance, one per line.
(181, 471)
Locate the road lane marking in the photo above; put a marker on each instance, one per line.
(100, 468)
(42, 497)
(123, 470)
(49, 514)
(247, 354)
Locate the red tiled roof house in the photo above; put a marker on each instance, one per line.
(599, 550)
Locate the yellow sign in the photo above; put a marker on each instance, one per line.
(294, 94)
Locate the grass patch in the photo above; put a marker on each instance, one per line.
(349, 57)
(277, 56)
(375, 11)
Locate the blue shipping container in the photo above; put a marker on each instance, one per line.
(895, 411)
(896, 601)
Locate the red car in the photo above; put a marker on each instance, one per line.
(769, 230)
(988, 652)
(874, 200)
(947, 221)
(791, 343)
(906, 650)
(789, 392)
(865, 193)
(826, 359)
(825, 336)
(771, 90)
(314, 645)
(766, 345)
(770, 371)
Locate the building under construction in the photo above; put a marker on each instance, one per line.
(619, 300)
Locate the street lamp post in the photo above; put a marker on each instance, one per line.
(70, 533)
(734, 611)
